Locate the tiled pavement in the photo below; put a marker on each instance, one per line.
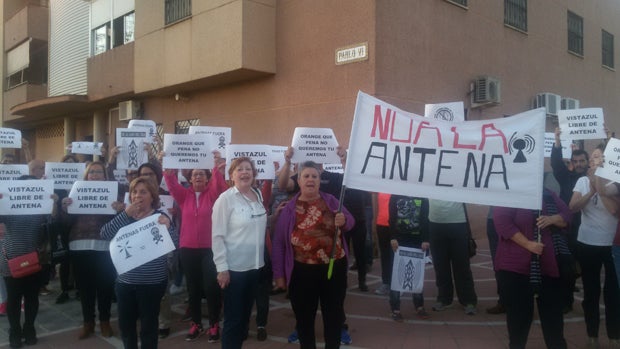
(368, 318)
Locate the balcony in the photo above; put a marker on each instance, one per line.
(20, 94)
(30, 22)
(111, 73)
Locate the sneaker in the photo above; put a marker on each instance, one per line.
(441, 307)
(383, 290)
(470, 309)
(214, 333)
(397, 316)
(62, 298)
(261, 334)
(422, 314)
(293, 337)
(3, 309)
(194, 332)
(345, 338)
(496, 309)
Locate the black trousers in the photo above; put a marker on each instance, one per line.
(26, 288)
(201, 278)
(385, 253)
(310, 287)
(518, 299)
(95, 275)
(358, 236)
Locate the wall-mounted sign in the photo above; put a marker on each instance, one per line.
(352, 53)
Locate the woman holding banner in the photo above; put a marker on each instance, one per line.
(302, 246)
(196, 204)
(94, 271)
(139, 290)
(239, 224)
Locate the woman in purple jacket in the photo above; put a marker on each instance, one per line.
(302, 247)
(517, 245)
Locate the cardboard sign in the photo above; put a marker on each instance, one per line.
(577, 124)
(259, 153)
(64, 173)
(550, 142)
(454, 111)
(93, 197)
(219, 137)
(26, 197)
(139, 243)
(315, 144)
(10, 138)
(90, 148)
(13, 172)
(132, 153)
(187, 151)
(408, 270)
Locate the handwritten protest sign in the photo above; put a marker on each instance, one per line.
(261, 155)
(550, 142)
(219, 137)
(148, 125)
(132, 152)
(10, 138)
(492, 162)
(12, 172)
(408, 270)
(187, 151)
(139, 243)
(454, 111)
(611, 167)
(91, 148)
(25, 197)
(586, 123)
(314, 144)
(93, 197)
(64, 173)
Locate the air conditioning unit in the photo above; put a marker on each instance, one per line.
(128, 110)
(487, 90)
(549, 101)
(569, 103)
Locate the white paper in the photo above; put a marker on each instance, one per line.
(12, 172)
(261, 154)
(93, 197)
(315, 144)
(132, 152)
(408, 270)
(26, 197)
(187, 151)
(219, 137)
(10, 138)
(64, 173)
(586, 123)
(90, 148)
(453, 111)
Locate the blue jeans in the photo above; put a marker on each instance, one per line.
(139, 302)
(239, 298)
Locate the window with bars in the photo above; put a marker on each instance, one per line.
(158, 146)
(608, 49)
(182, 126)
(575, 33)
(176, 10)
(515, 14)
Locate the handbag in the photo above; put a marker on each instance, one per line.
(24, 265)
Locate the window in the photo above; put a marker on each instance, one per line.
(575, 33)
(176, 10)
(26, 64)
(182, 126)
(101, 39)
(123, 28)
(515, 14)
(462, 3)
(608, 49)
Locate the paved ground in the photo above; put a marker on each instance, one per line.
(368, 318)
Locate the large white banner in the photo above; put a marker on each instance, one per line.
(314, 144)
(64, 173)
(408, 270)
(132, 152)
(93, 197)
(586, 123)
(611, 167)
(31, 196)
(12, 172)
(495, 162)
(187, 151)
(139, 243)
(261, 154)
(219, 137)
(10, 138)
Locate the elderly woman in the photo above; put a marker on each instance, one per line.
(302, 246)
(594, 241)
(239, 223)
(518, 244)
(139, 290)
(196, 205)
(94, 271)
(22, 236)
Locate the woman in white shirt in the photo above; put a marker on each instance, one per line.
(594, 240)
(238, 240)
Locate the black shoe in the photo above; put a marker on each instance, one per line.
(62, 298)
(31, 341)
(363, 288)
(497, 309)
(164, 333)
(353, 266)
(261, 334)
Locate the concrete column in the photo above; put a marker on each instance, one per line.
(99, 128)
(69, 132)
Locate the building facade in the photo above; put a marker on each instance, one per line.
(264, 67)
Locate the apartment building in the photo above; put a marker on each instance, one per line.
(78, 69)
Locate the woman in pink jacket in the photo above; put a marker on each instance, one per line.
(196, 204)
